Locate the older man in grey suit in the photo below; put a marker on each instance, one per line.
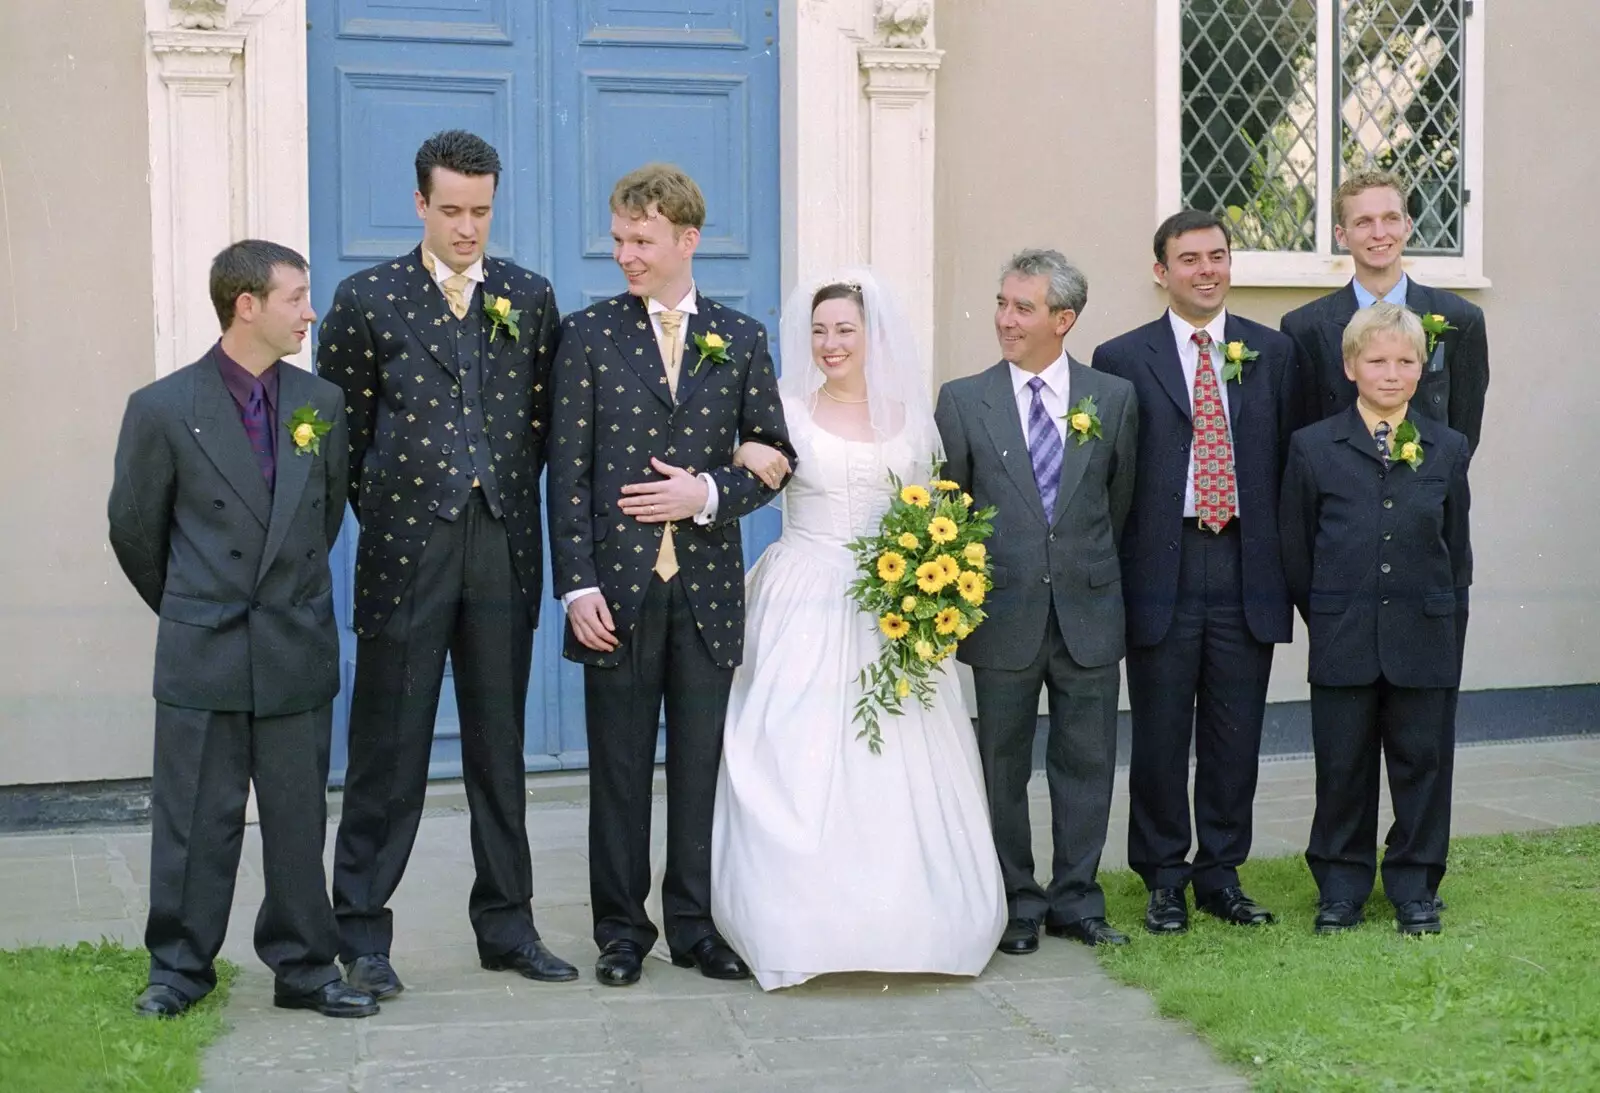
(229, 490)
(1051, 444)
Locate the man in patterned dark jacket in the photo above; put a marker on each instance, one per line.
(444, 355)
(654, 390)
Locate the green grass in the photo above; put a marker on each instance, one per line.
(67, 1024)
(1507, 998)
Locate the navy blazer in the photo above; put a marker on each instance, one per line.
(1264, 407)
(1454, 381)
(1378, 557)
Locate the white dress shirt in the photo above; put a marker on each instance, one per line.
(1055, 394)
(442, 272)
(655, 307)
(1189, 358)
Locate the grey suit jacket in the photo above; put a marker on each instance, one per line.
(1070, 561)
(238, 575)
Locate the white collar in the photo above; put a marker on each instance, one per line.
(441, 272)
(1183, 331)
(1056, 377)
(685, 305)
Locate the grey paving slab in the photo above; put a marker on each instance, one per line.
(1052, 1021)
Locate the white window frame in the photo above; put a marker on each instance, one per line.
(1325, 267)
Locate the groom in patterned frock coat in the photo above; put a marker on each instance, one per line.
(654, 389)
(447, 397)
(1202, 574)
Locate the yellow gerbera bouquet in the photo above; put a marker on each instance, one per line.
(923, 577)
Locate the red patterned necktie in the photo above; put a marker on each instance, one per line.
(1215, 493)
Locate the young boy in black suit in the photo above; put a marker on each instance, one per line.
(1376, 552)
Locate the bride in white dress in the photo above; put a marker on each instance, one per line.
(826, 857)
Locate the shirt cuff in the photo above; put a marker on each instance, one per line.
(566, 601)
(709, 513)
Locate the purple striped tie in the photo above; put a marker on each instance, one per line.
(1044, 450)
(259, 430)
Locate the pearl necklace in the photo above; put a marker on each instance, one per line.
(836, 398)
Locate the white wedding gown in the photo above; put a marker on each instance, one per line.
(825, 857)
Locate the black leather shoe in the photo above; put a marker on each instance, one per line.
(1231, 905)
(1021, 937)
(620, 964)
(335, 999)
(160, 1000)
(1166, 913)
(374, 975)
(532, 960)
(1418, 916)
(1090, 931)
(715, 959)
(1438, 904)
(1335, 916)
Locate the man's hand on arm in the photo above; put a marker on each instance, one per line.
(677, 496)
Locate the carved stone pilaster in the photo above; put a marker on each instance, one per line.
(900, 109)
(226, 90)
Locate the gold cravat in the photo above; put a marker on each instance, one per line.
(672, 358)
(672, 350)
(456, 286)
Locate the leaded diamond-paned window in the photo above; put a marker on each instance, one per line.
(1267, 104)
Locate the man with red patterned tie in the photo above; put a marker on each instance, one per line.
(1201, 575)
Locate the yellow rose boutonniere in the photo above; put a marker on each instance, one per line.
(1434, 326)
(713, 347)
(1407, 445)
(1083, 420)
(306, 429)
(1235, 355)
(501, 315)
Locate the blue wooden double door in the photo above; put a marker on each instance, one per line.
(573, 94)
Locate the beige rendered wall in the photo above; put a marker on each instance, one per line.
(1046, 138)
(75, 338)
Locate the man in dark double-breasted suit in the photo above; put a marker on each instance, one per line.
(1020, 436)
(1378, 558)
(1201, 573)
(229, 490)
(654, 390)
(444, 356)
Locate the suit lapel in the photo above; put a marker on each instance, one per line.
(1342, 311)
(424, 309)
(1353, 431)
(703, 321)
(1074, 456)
(215, 425)
(1004, 424)
(1237, 391)
(1164, 364)
(293, 467)
(1419, 298)
(627, 324)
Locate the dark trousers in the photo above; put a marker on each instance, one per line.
(1205, 681)
(1349, 728)
(464, 601)
(665, 659)
(204, 762)
(1080, 762)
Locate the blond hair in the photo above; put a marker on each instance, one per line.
(674, 194)
(1360, 182)
(1382, 318)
